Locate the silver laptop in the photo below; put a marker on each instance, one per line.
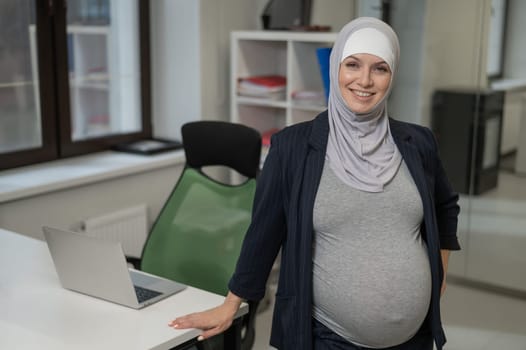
(98, 268)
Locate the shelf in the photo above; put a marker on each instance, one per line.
(15, 84)
(258, 101)
(285, 53)
(91, 81)
(279, 35)
(88, 29)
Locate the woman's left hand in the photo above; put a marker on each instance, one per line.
(212, 321)
(445, 259)
(443, 287)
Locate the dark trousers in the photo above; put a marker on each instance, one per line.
(325, 339)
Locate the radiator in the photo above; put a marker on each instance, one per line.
(128, 226)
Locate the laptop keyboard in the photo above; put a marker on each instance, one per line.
(144, 294)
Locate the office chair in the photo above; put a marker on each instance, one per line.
(198, 234)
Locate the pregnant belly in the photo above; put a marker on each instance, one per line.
(375, 302)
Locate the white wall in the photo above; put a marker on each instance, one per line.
(176, 74)
(455, 45)
(333, 13)
(217, 19)
(67, 208)
(407, 20)
(190, 43)
(190, 58)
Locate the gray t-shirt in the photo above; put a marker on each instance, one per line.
(371, 274)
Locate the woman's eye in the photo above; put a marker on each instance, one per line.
(351, 65)
(382, 69)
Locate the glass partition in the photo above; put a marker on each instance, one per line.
(463, 74)
(497, 236)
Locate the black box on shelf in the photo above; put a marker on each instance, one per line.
(468, 128)
(148, 146)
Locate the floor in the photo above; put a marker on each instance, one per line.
(473, 319)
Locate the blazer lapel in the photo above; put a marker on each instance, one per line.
(312, 171)
(317, 147)
(411, 156)
(313, 167)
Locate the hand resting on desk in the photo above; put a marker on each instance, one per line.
(212, 321)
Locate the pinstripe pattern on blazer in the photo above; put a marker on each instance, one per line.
(282, 219)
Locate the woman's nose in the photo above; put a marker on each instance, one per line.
(365, 77)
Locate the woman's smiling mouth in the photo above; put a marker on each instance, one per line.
(362, 93)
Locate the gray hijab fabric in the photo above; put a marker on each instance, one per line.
(360, 149)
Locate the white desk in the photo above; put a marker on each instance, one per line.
(36, 312)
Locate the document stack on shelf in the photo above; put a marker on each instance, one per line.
(309, 98)
(265, 86)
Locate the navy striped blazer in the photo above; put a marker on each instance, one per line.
(282, 218)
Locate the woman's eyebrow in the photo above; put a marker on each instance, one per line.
(359, 60)
(354, 57)
(379, 62)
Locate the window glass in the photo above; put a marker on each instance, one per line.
(20, 119)
(104, 70)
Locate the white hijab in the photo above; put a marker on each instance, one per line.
(360, 149)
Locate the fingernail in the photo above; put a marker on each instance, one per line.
(200, 338)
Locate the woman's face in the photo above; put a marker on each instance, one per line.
(364, 80)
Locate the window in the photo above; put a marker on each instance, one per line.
(74, 77)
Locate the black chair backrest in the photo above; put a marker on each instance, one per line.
(233, 145)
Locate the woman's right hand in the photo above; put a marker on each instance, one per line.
(212, 321)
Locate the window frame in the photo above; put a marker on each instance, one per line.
(54, 91)
(46, 83)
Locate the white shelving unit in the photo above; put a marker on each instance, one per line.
(290, 54)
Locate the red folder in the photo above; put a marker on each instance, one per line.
(267, 80)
